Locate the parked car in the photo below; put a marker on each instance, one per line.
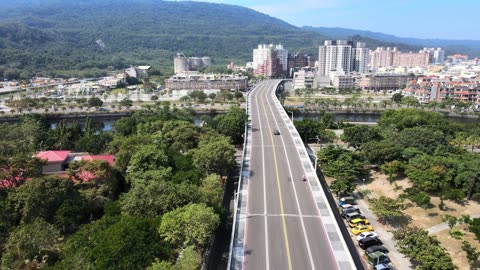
(366, 234)
(350, 211)
(368, 242)
(362, 228)
(384, 266)
(346, 206)
(377, 258)
(354, 215)
(347, 200)
(358, 221)
(376, 248)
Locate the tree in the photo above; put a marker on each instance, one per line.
(358, 135)
(189, 259)
(17, 170)
(214, 155)
(474, 227)
(96, 182)
(48, 198)
(95, 102)
(397, 98)
(308, 128)
(29, 241)
(451, 221)
(115, 242)
(211, 192)
(231, 124)
(148, 158)
(212, 96)
(125, 147)
(193, 224)
(126, 102)
(125, 126)
(468, 175)
(385, 208)
(420, 198)
(472, 254)
(423, 250)
(155, 197)
(92, 141)
(429, 173)
(392, 168)
(181, 136)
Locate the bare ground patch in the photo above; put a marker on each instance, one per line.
(379, 185)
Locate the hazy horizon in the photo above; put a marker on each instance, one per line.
(403, 18)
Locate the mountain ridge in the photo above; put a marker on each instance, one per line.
(449, 44)
(59, 37)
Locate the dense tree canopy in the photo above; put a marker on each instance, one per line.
(94, 216)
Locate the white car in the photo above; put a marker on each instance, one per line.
(366, 234)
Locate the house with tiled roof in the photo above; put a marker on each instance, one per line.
(58, 160)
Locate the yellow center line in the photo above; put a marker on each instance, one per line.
(280, 197)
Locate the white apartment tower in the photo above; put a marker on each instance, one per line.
(437, 55)
(270, 60)
(360, 58)
(342, 56)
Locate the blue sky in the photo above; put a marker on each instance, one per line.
(446, 19)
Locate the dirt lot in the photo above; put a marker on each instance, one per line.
(425, 218)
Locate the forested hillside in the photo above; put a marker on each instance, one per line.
(49, 36)
(87, 38)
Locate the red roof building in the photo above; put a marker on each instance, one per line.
(108, 158)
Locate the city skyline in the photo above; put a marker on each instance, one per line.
(406, 18)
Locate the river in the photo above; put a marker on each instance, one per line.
(106, 123)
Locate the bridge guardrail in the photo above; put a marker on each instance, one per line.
(236, 244)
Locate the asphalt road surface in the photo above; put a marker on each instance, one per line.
(283, 228)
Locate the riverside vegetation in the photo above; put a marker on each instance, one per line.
(162, 199)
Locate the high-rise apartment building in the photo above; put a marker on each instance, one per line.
(360, 58)
(391, 57)
(382, 57)
(342, 56)
(437, 55)
(270, 60)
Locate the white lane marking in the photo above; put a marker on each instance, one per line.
(272, 145)
(267, 256)
(280, 215)
(294, 192)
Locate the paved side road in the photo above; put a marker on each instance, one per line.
(398, 259)
(444, 226)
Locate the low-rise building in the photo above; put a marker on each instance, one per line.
(380, 82)
(198, 81)
(343, 81)
(427, 89)
(58, 160)
(304, 79)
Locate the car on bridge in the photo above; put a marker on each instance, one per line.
(276, 131)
